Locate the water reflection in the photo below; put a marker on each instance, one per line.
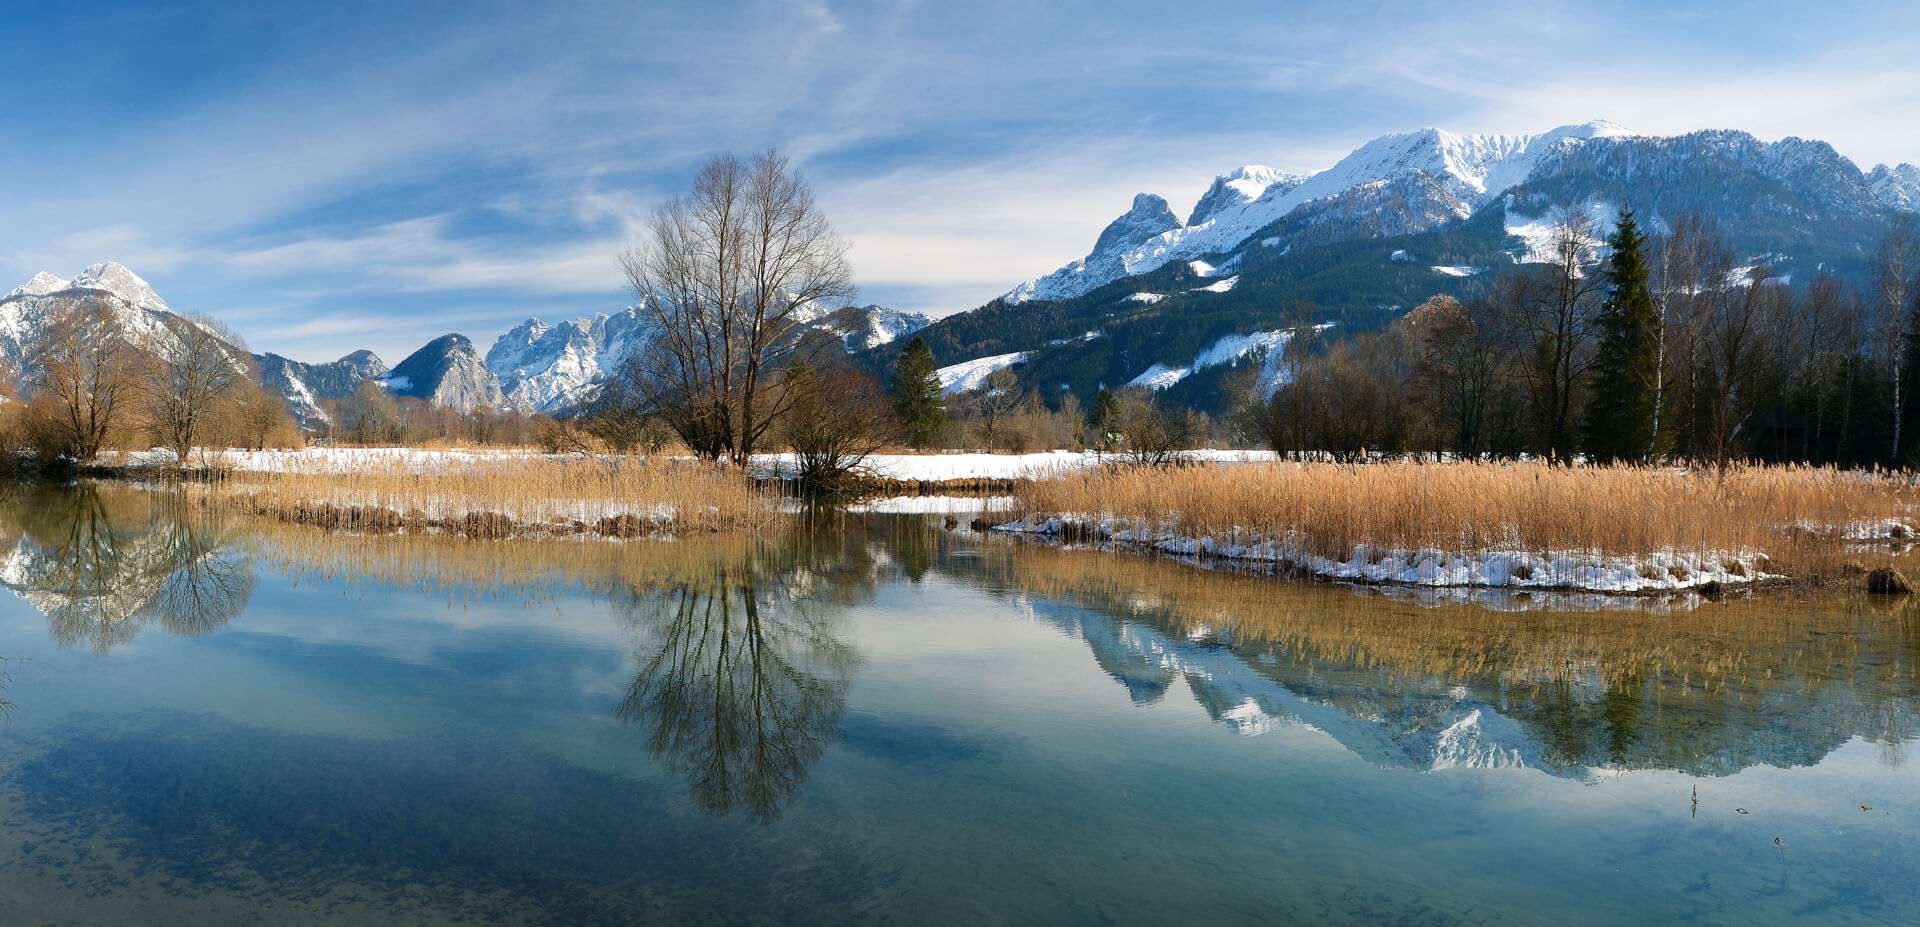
(744, 676)
(1778, 679)
(103, 563)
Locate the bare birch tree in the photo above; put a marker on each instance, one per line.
(729, 277)
(1896, 285)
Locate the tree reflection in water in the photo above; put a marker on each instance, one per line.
(745, 677)
(103, 563)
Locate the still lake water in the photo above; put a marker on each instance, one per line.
(881, 721)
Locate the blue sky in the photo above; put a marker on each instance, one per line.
(330, 176)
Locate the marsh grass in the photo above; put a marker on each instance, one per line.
(503, 495)
(1795, 516)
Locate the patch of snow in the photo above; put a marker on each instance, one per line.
(1456, 270)
(1537, 233)
(1273, 242)
(1148, 298)
(1400, 255)
(1160, 376)
(1584, 570)
(971, 375)
(1201, 268)
(1220, 287)
(398, 384)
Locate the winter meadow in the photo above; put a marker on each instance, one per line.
(761, 524)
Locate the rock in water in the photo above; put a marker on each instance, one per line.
(1888, 581)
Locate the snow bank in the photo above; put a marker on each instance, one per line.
(1584, 570)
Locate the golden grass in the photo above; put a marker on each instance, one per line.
(499, 495)
(1474, 507)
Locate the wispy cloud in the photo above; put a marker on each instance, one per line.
(338, 178)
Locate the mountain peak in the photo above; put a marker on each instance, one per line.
(446, 371)
(1149, 216)
(41, 284)
(1244, 185)
(115, 278)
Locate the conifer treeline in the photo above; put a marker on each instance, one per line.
(1658, 346)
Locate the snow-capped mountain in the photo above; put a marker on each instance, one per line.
(1408, 183)
(547, 368)
(1113, 255)
(863, 328)
(25, 311)
(1401, 219)
(305, 385)
(447, 372)
(552, 368)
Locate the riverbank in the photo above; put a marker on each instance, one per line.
(1507, 525)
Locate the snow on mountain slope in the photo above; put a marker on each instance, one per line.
(969, 375)
(1239, 188)
(1471, 169)
(869, 327)
(446, 372)
(1896, 187)
(551, 368)
(25, 311)
(40, 284)
(1228, 349)
(305, 385)
(1108, 261)
(118, 280)
(548, 368)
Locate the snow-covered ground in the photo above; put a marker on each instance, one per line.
(995, 466)
(1584, 570)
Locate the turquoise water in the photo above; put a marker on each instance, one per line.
(877, 720)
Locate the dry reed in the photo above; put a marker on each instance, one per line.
(1796, 516)
(503, 495)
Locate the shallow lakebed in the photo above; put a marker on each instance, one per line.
(873, 719)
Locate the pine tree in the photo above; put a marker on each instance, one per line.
(1103, 420)
(1620, 419)
(918, 395)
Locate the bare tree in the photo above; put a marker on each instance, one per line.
(1739, 351)
(835, 420)
(257, 413)
(998, 399)
(1455, 371)
(730, 276)
(200, 374)
(370, 415)
(1554, 311)
(1153, 436)
(85, 360)
(1896, 287)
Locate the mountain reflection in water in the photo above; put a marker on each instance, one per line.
(103, 563)
(742, 661)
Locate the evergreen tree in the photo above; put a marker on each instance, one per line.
(918, 395)
(1103, 420)
(1620, 419)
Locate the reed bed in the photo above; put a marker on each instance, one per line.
(503, 495)
(1800, 522)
